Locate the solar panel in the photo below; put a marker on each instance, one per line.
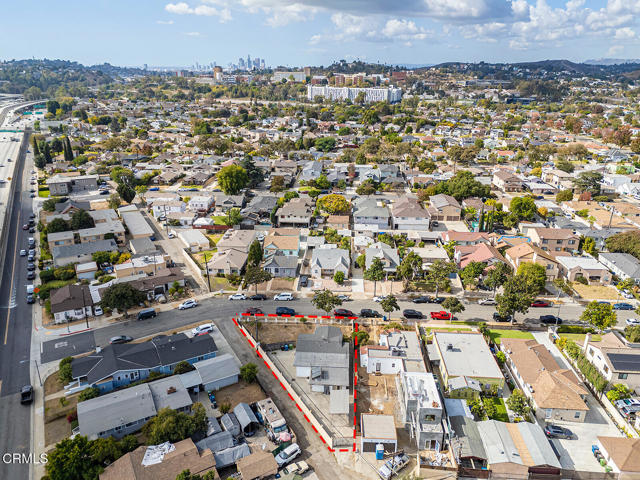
(625, 361)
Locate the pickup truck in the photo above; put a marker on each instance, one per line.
(392, 466)
(441, 315)
(298, 468)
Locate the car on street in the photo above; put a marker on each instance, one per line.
(550, 319)
(441, 315)
(32, 216)
(238, 296)
(622, 306)
(120, 339)
(258, 296)
(343, 312)
(422, 299)
(31, 276)
(97, 311)
(555, 431)
(284, 297)
(487, 301)
(411, 313)
(626, 294)
(288, 455)
(379, 298)
(499, 318)
(539, 304)
(437, 300)
(191, 303)
(32, 230)
(632, 322)
(30, 298)
(31, 267)
(32, 195)
(23, 253)
(25, 227)
(253, 311)
(203, 329)
(31, 257)
(26, 394)
(368, 313)
(344, 298)
(298, 468)
(285, 311)
(171, 235)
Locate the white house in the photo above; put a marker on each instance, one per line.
(194, 240)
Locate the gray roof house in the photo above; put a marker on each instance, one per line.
(623, 265)
(323, 358)
(384, 252)
(281, 265)
(328, 261)
(370, 214)
(81, 252)
(213, 373)
(261, 205)
(311, 170)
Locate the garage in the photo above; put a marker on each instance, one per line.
(378, 429)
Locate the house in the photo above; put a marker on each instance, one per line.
(525, 252)
(623, 265)
(556, 393)
(338, 222)
(430, 253)
(71, 302)
(506, 181)
(587, 267)
(408, 214)
(554, 239)
(398, 351)
(260, 464)
(482, 252)
(146, 264)
(472, 455)
(227, 262)
(123, 412)
(621, 454)
(64, 185)
(388, 255)
(288, 245)
(82, 252)
(239, 240)
(184, 455)
(261, 205)
(311, 170)
(322, 357)
(194, 240)
(615, 359)
(59, 239)
(325, 262)
(86, 271)
(201, 203)
(464, 387)
(465, 354)
(444, 208)
(103, 231)
(159, 283)
(421, 408)
(224, 203)
(135, 223)
(279, 265)
(557, 178)
(378, 430)
(162, 208)
(464, 238)
(297, 212)
(370, 214)
(213, 373)
(115, 366)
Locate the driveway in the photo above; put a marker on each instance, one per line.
(575, 454)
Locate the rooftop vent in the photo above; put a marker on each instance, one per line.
(171, 390)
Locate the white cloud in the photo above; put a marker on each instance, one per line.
(614, 50)
(193, 34)
(164, 22)
(624, 33)
(183, 8)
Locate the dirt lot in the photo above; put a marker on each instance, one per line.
(376, 393)
(56, 431)
(595, 292)
(240, 392)
(53, 409)
(56, 426)
(278, 332)
(281, 285)
(52, 384)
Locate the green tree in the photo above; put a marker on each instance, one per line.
(322, 183)
(58, 225)
(64, 370)
(122, 296)
(600, 315)
(338, 277)
(410, 267)
(523, 207)
(81, 219)
(497, 275)
(476, 407)
(232, 179)
(589, 246)
(490, 409)
(72, 459)
(334, 203)
(126, 192)
(517, 402)
(472, 272)
(588, 182)
(255, 254)
(232, 217)
(626, 242)
(254, 275)
(361, 260)
(389, 304)
(115, 201)
(105, 450)
(277, 183)
(255, 174)
(249, 372)
(565, 166)
(168, 426)
(516, 297)
(88, 394)
(632, 333)
(199, 418)
(375, 273)
(49, 205)
(438, 274)
(453, 305)
(618, 391)
(325, 300)
(183, 367)
(534, 275)
(564, 196)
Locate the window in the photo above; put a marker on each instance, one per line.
(623, 376)
(591, 352)
(576, 415)
(606, 369)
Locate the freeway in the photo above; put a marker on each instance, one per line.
(222, 308)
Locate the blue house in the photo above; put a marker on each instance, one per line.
(118, 365)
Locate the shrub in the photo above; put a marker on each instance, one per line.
(88, 394)
(72, 416)
(249, 372)
(574, 329)
(224, 407)
(65, 370)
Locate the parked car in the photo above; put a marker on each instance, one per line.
(26, 394)
(287, 455)
(487, 301)
(441, 315)
(296, 468)
(550, 319)
(304, 281)
(31, 275)
(498, 318)
(253, 311)
(410, 313)
(539, 304)
(97, 311)
(623, 306)
(343, 312)
(171, 235)
(258, 296)
(23, 253)
(25, 227)
(368, 313)
(632, 322)
(554, 431)
(31, 257)
(285, 311)
(344, 298)
(31, 267)
(238, 296)
(437, 300)
(203, 329)
(379, 298)
(422, 299)
(146, 313)
(284, 296)
(120, 339)
(191, 303)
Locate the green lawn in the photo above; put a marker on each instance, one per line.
(579, 337)
(496, 335)
(43, 193)
(501, 410)
(206, 255)
(219, 219)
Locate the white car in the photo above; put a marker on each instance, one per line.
(172, 235)
(632, 322)
(626, 294)
(23, 253)
(288, 454)
(284, 296)
(379, 298)
(97, 311)
(487, 301)
(238, 296)
(202, 329)
(187, 304)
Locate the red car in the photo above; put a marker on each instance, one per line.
(441, 315)
(540, 303)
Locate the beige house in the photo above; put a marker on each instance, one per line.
(621, 453)
(555, 239)
(525, 252)
(556, 393)
(194, 240)
(148, 264)
(615, 359)
(506, 181)
(444, 208)
(227, 262)
(103, 231)
(237, 240)
(587, 267)
(59, 239)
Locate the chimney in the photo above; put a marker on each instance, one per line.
(171, 390)
(587, 339)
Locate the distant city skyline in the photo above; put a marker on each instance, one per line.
(314, 32)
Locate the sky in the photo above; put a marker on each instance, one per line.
(319, 32)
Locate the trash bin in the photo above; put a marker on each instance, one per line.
(379, 451)
(384, 318)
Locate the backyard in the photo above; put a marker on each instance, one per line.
(495, 335)
(501, 409)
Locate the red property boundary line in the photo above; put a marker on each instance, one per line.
(355, 377)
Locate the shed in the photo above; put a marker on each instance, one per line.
(247, 419)
(378, 429)
(230, 423)
(258, 465)
(213, 426)
(217, 442)
(218, 372)
(231, 455)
